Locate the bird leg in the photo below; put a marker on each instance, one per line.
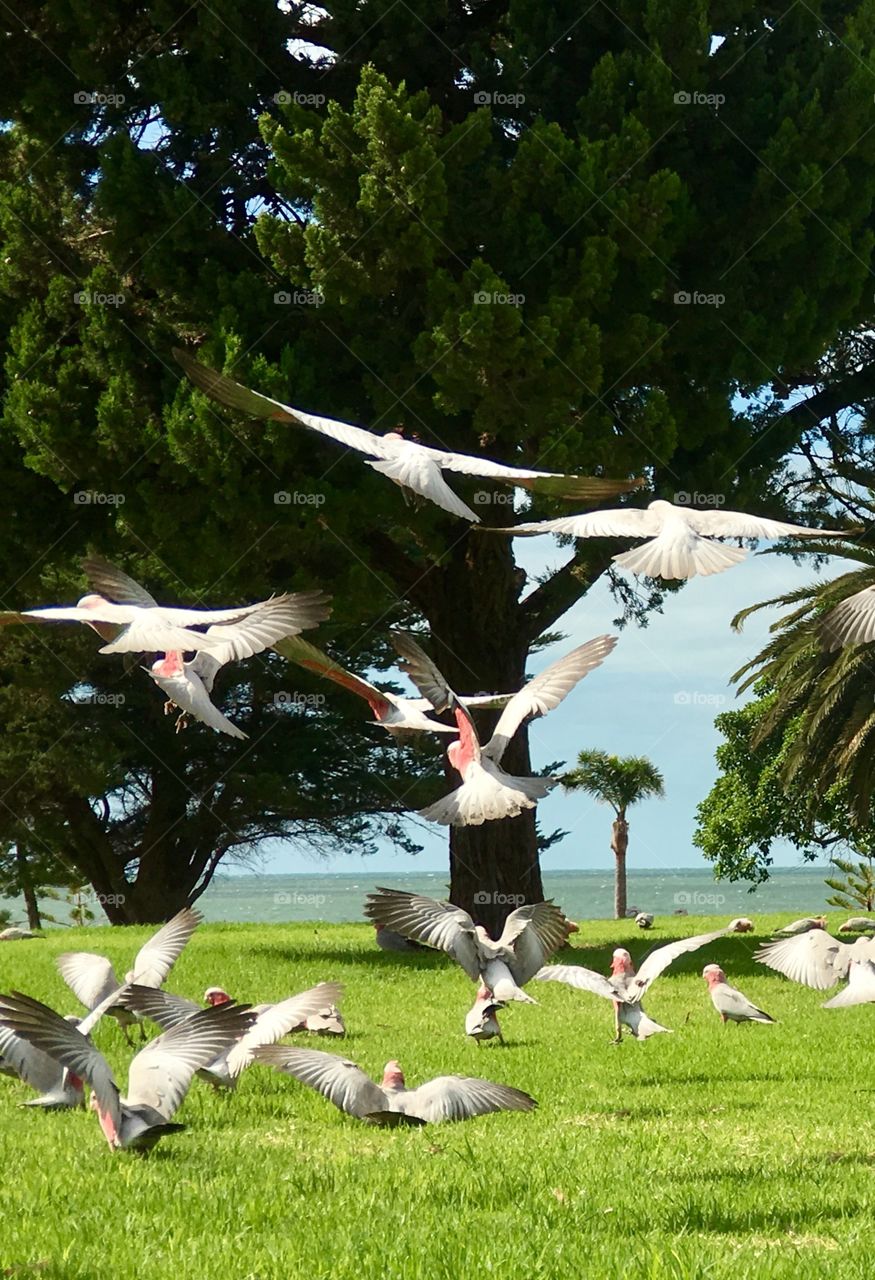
(617, 1028)
(169, 707)
(182, 722)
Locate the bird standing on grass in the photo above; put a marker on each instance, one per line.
(625, 987)
(481, 1022)
(530, 936)
(729, 1001)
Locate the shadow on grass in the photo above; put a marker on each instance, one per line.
(734, 953)
(718, 1221)
(377, 960)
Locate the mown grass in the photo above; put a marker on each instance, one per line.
(714, 1152)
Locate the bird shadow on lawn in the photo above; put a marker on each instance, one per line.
(718, 1221)
(734, 953)
(337, 955)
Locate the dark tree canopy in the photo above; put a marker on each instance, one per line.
(561, 242)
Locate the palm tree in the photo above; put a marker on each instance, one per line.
(826, 695)
(619, 781)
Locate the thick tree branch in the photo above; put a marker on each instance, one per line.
(552, 598)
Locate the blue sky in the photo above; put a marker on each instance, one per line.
(657, 695)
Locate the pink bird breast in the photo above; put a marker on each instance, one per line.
(168, 666)
(621, 962)
(393, 1076)
(461, 753)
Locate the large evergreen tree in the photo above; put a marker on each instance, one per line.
(676, 200)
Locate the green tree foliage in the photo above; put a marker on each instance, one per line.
(856, 885)
(618, 781)
(627, 172)
(754, 805)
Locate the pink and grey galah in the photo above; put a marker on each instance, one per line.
(815, 958)
(270, 1022)
(159, 1076)
(530, 936)
(144, 626)
(188, 685)
(481, 1021)
(391, 1103)
(92, 978)
(488, 793)
(729, 1002)
(58, 1088)
(391, 711)
(416, 468)
(626, 986)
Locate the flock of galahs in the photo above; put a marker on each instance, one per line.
(219, 1040)
(190, 646)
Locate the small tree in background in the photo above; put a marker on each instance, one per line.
(857, 888)
(619, 781)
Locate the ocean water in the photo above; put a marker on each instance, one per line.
(583, 895)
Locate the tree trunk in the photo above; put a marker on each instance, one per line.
(28, 891)
(619, 844)
(481, 645)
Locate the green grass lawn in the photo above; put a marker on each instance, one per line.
(714, 1152)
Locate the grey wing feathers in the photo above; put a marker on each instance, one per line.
(160, 1074)
(161, 1006)
(114, 584)
(657, 961)
(423, 672)
(437, 924)
(63, 1042)
(158, 956)
(533, 933)
(90, 977)
(449, 1098)
(575, 975)
(337, 1079)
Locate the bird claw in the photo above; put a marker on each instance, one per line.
(181, 723)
